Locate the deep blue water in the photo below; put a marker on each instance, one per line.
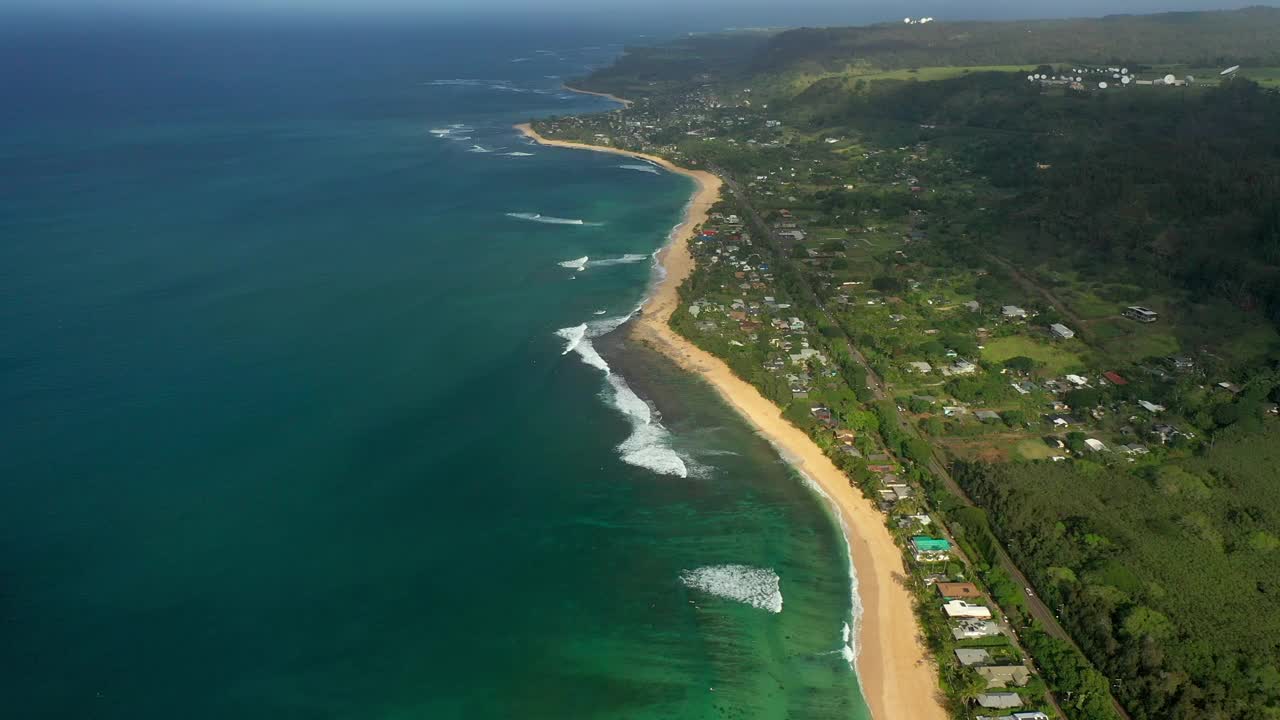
(289, 429)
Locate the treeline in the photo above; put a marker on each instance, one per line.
(1250, 36)
(1165, 575)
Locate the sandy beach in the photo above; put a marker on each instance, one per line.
(896, 674)
(625, 102)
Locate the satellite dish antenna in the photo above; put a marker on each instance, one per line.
(1079, 78)
(1124, 70)
(1115, 75)
(1170, 79)
(1230, 71)
(1126, 79)
(1102, 85)
(1031, 78)
(906, 20)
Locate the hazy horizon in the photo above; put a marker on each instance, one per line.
(666, 16)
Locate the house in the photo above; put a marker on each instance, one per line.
(1095, 445)
(962, 609)
(1061, 331)
(963, 367)
(1000, 700)
(1115, 378)
(987, 415)
(961, 590)
(1053, 442)
(1183, 363)
(920, 366)
(973, 629)
(1150, 406)
(1229, 387)
(930, 549)
(1077, 380)
(1002, 676)
(1013, 312)
(952, 411)
(969, 657)
(1141, 314)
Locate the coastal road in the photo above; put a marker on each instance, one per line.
(1035, 606)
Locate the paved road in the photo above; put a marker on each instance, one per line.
(875, 383)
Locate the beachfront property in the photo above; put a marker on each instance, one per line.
(1000, 700)
(972, 656)
(1035, 715)
(1003, 676)
(958, 590)
(962, 609)
(974, 629)
(930, 549)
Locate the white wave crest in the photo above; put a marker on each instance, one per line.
(624, 260)
(852, 627)
(517, 153)
(642, 168)
(536, 217)
(649, 444)
(757, 587)
(576, 264)
(479, 149)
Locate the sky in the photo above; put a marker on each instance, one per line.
(678, 15)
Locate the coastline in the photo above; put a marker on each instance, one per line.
(895, 672)
(625, 102)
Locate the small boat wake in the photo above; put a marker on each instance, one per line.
(652, 170)
(537, 217)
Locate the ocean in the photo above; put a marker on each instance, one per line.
(315, 404)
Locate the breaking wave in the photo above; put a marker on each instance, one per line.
(479, 149)
(517, 153)
(757, 587)
(649, 444)
(624, 260)
(642, 168)
(536, 217)
(849, 634)
(577, 264)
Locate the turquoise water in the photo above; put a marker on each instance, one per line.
(290, 429)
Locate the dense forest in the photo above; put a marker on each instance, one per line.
(1168, 576)
(1250, 36)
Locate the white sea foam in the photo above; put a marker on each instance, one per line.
(575, 264)
(441, 132)
(479, 149)
(757, 587)
(624, 260)
(849, 634)
(517, 153)
(537, 217)
(599, 312)
(642, 168)
(649, 444)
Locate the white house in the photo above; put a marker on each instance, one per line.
(1095, 445)
(1150, 406)
(1013, 311)
(962, 609)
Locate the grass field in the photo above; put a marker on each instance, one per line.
(1056, 358)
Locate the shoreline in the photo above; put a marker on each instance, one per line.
(625, 102)
(897, 677)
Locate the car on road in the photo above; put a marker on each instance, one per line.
(1030, 593)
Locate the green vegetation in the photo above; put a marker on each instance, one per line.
(926, 259)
